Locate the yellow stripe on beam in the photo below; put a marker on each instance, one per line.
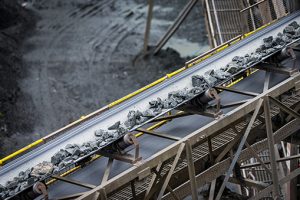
(9, 157)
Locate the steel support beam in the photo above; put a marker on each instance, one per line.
(178, 21)
(221, 167)
(247, 93)
(271, 144)
(148, 25)
(166, 182)
(162, 135)
(200, 136)
(170, 117)
(258, 158)
(240, 147)
(107, 171)
(285, 108)
(74, 182)
(191, 168)
(282, 181)
(268, 162)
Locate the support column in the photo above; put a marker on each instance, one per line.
(148, 25)
(191, 168)
(271, 145)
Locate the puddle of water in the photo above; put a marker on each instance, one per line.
(186, 48)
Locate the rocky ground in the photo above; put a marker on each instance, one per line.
(15, 22)
(80, 55)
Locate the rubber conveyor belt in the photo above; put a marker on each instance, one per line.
(149, 145)
(85, 131)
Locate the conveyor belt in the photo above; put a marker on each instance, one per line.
(119, 113)
(150, 145)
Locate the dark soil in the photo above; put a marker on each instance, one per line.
(15, 24)
(73, 57)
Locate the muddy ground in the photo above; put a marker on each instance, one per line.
(73, 57)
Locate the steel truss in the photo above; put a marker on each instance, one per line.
(213, 151)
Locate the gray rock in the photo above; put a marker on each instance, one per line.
(156, 103)
(115, 126)
(196, 90)
(76, 152)
(70, 149)
(294, 24)
(149, 113)
(232, 68)
(101, 144)
(93, 145)
(59, 156)
(256, 57)
(84, 150)
(55, 170)
(210, 80)
(23, 185)
(198, 80)
(99, 132)
(68, 146)
(131, 119)
(165, 104)
(17, 189)
(27, 173)
(173, 102)
(11, 185)
(141, 120)
(220, 74)
(61, 165)
(279, 41)
(289, 30)
(268, 42)
(11, 193)
(2, 188)
(297, 33)
(42, 169)
(67, 161)
(30, 181)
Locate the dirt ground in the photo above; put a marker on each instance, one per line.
(83, 54)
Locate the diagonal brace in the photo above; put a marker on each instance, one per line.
(240, 147)
(285, 108)
(162, 191)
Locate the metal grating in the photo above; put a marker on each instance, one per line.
(230, 18)
(201, 151)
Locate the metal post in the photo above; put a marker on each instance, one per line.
(191, 168)
(178, 21)
(148, 25)
(107, 171)
(293, 164)
(211, 24)
(271, 147)
(217, 22)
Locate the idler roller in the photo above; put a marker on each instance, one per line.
(284, 54)
(202, 100)
(33, 192)
(207, 96)
(125, 142)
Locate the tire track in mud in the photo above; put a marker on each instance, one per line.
(44, 88)
(90, 57)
